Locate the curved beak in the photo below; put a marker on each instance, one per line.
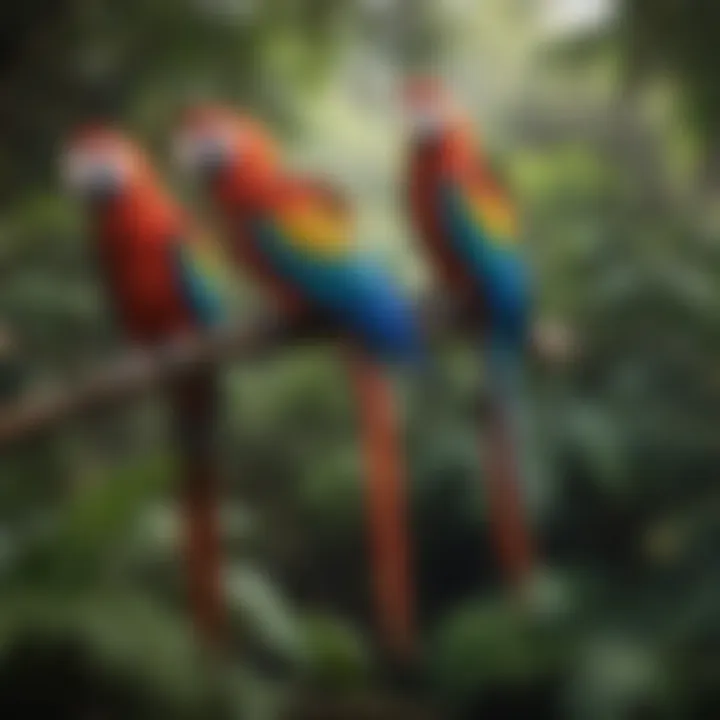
(205, 156)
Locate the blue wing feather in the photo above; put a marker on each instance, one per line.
(501, 272)
(350, 286)
(197, 286)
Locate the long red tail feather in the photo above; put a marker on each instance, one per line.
(196, 415)
(509, 523)
(387, 506)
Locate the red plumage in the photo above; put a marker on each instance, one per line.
(254, 184)
(428, 165)
(445, 155)
(139, 235)
(135, 232)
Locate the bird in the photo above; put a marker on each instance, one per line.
(160, 274)
(467, 224)
(294, 234)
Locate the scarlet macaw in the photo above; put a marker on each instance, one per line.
(467, 224)
(156, 267)
(295, 235)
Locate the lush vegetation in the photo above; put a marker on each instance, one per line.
(606, 135)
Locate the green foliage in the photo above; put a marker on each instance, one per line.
(678, 39)
(75, 549)
(617, 679)
(626, 622)
(338, 658)
(264, 615)
(491, 645)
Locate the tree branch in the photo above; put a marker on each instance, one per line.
(140, 373)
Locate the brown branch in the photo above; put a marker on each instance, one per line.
(138, 374)
(141, 373)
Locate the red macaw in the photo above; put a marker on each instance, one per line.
(156, 267)
(295, 236)
(468, 226)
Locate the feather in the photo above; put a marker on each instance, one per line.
(313, 248)
(506, 476)
(387, 500)
(199, 275)
(498, 267)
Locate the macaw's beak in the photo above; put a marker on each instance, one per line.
(205, 157)
(105, 186)
(426, 126)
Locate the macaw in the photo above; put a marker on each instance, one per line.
(468, 225)
(159, 273)
(295, 236)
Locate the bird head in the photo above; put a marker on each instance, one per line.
(219, 145)
(430, 109)
(100, 164)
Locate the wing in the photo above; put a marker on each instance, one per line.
(491, 207)
(316, 220)
(482, 227)
(309, 242)
(327, 196)
(199, 268)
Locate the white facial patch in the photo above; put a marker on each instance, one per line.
(85, 172)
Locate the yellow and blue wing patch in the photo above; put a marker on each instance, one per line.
(201, 271)
(314, 229)
(483, 231)
(494, 215)
(310, 244)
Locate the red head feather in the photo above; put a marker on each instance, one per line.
(97, 153)
(249, 157)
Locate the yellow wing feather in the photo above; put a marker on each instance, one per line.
(314, 228)
(496, 215)
(206, 255)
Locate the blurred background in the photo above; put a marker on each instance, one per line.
(606, 115)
